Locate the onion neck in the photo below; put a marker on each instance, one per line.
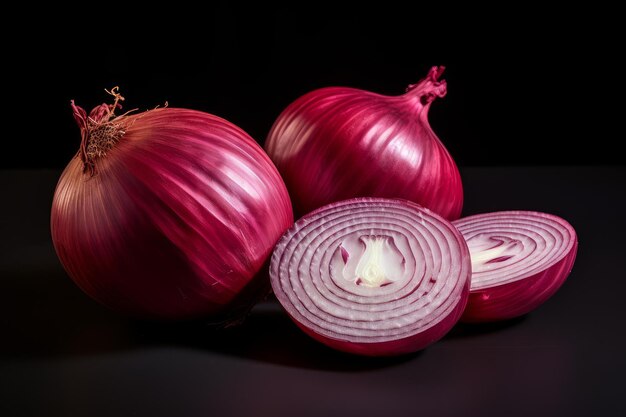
(428, 89)
(100, 131)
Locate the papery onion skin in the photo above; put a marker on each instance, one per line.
(529, 290)
(175, 220)
(381, 321)
(338, 143)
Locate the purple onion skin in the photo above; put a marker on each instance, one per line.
(516, 299)
(398, 347)
(178, 219)
(338, 143)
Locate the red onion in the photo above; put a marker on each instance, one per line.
(337, 143)
(372, 276)
(519, 260)
(167, 214)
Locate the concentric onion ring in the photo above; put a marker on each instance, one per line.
(519, 260)
(372, 276)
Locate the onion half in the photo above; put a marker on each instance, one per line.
(519, 260)
(372, 276)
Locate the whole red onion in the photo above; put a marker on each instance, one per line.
(169, 213)
(337, 143)
(372, 276)
(519, 260)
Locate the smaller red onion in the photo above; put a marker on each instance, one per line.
(372, 276)
(337, 143)
(519, 260)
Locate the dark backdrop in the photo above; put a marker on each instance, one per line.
(527, 86)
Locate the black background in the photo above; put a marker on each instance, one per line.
(527, 85)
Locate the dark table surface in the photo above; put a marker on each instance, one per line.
(62, 354)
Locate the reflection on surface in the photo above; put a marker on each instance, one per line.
(59, 321)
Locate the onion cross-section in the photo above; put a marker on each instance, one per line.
(372, 276)
(519, 260)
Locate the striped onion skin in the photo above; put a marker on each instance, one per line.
(338, 143)
(372, 276)
(519, 260)
(178, 219)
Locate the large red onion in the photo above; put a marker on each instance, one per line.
(337, 143)
(168, 214)
(372, 276)
(519, 260)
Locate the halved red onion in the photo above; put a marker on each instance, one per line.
(372, 276)
(519, 260)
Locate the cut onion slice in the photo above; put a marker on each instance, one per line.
(519, 260)
(372, 276)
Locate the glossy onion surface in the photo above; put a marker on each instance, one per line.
(338, 143)
(519, 260)
(179, 216)
(372, 276)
